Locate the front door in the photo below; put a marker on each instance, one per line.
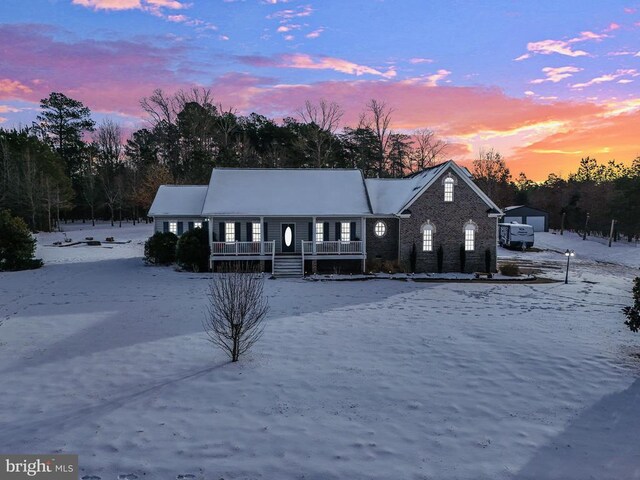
(288, 237)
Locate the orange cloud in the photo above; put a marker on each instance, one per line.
(606, 139)
(10, 87)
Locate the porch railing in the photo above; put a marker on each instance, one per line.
(338, 247)
(243, 248)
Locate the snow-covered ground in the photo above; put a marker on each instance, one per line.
(103, 356)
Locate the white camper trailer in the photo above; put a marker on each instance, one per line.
(515, 235)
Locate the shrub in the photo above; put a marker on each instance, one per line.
(510, 269)
(487, 260)
(633, 312)
(17, 245)
(160, 249)
(193, 250)
(413, 258)
(440, 255)
(463, 258)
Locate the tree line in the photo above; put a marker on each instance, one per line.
(66, 167)
(587, 201)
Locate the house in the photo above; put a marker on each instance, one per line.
(292, 221)
(538, 219)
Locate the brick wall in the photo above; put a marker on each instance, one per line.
(386, 247)
(449, 219)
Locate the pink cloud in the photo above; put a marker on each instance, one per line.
(150, 5)
(554, 75)
(288, 14)
(304, 61)
(562, 47)
(432, 80)
(315, 34)
(609, 77)
(107, 75)
(417, 60)
(10, 87)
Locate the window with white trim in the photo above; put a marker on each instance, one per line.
(345, 231)
(197, 224)
(256, 232)
(319, 232)
(427, 237)
(469, 237)
(229, 232)
(380, 229)
(173, 227)
(448, 189)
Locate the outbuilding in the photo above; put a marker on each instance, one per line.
(538, 219)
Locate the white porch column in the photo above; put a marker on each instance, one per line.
(210, 242)
(262, 234)
(313, 235)
(363, 235)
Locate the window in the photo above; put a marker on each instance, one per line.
(380, 228)
(469, 236)
(345, 231)
(256, 232)
(197, 224)
(427, 237)
(448, 189)
(173, 227)
(319, 232)
(229, 232)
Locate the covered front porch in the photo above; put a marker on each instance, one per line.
(267, 239)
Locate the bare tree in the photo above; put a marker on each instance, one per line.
(237, 308)
(377, 117)
(160, 107)
(492, 175)
(322, 121)
(428, 150)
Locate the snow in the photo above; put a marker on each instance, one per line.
(593, 249)
(105, 357)
(388, 196)
(178, 200)
(320, 192)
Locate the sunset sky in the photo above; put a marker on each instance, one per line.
(544, 82)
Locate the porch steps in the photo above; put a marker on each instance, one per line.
(287, 266)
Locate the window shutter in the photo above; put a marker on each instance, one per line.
(310, 231)
(223, 237)
(352, 231)
(238, 232)
(190, 226)
(325, 232)
(180, 228)
(165, 227)
(266, 232)
(249, 232)
(337, 231)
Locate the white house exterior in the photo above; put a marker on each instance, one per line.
(308, 220)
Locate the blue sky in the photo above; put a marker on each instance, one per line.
(539, 80)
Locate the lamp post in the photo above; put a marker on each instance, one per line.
(568, 254)
(586, 225)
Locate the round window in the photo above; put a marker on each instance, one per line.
(380, 228)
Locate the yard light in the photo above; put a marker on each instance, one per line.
(568, 254)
